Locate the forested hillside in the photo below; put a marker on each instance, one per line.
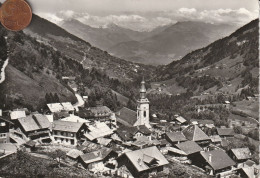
(227, 65)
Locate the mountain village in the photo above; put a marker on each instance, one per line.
(126, 143)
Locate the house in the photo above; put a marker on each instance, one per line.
(87, 147)
(225, 132)
(5, 125)
(100, 112)
(73, 118)
(240, 155)
(35, 126)
(96, 161)
(214, 162)
(189, 147)
(143, 161)
(59, 107)
(74, 154)
(67, 133)
(175, 137)
(129, 134)
(30, 145)
(97, 130)
(203, 123)
(246, 172)
(180, 120)
(216, 139)
(16, 114)
(194, 133)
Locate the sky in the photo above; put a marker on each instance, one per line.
(146, 14)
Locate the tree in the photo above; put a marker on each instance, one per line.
(238, 130)
(56, 98)
(58, 155)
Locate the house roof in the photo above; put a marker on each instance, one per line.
(241, 153)
(219, 159)
(140, 158)
(225, 131)
(249, 171)
(249, 163)
(30, 143)
(74, 153)
(100, 110)
(180, 119)
(194, 133)
(96, 155)
(66, 126)
(34, 122)
(57, 107)
(73, 118)
(215, 138)
(143, 129)
(98, 130)
(126, 133)
(127, 115)
(202, 121)
(104, 141)
(175, 150)
(189, 147)
(17, 114)
(176, 136)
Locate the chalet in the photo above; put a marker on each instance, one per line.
(30, 145)
(88, 146)
(216, 139)
(240, 155)
(180, 120)
(5, 125)
(16, 114)
(175, 137)
(129, 134)
(74, 154)
(194, 133)
(225, 132)
(35, 126)
(97, 130)
(142, 162)
(96, 161)
(189, 147)
(246, 172)
(214, 162)
(67, 133)
(59, 107)
(203, 123)
(100, 112)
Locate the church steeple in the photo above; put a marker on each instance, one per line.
(143, 90)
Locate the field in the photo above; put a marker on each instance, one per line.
(250, 108)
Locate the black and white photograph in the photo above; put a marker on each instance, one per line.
(129, 89)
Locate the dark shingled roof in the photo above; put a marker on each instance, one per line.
(66, 126)
(143, 129)
(126, 115)
(176, 136)
(126, 133)
(189, 147)
(194, 133)
(96, 155)
(219, 159)
(225, 131)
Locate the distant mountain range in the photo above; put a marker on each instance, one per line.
(159, 46)
(227, 65)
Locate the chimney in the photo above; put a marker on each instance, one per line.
(210, 157)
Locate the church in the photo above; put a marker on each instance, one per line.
(130, 118)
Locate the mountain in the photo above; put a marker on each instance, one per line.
(79, 50)
(107, 36)
(228, 65)
(40, 55)
(171, 43)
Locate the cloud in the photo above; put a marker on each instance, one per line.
(147, 21)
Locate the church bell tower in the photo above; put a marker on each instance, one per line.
(143, 108)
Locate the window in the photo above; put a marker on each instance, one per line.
(144, 113)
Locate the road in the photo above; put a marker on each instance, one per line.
(79, 103)
(2, 79)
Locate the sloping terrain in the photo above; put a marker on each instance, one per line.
(79, 50)
(227, 65)
(171, 43)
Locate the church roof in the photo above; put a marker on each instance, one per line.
(126, 116)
